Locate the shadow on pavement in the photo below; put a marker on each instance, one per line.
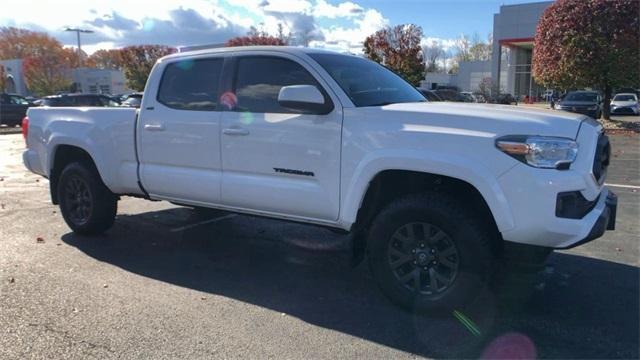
(582, 308)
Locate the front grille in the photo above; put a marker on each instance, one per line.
(601, 160)
(624, 110)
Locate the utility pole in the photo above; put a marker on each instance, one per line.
(78, 31)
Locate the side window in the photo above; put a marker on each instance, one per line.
(191, 84)
(260, 78)
(17, 100)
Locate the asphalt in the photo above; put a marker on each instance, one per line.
(165, 282)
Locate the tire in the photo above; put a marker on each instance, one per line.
(457, 250)
(87, 205)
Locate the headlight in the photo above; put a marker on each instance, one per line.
(595, 107)
(540, 151)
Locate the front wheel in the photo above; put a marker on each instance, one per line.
(86, 204)
(427, 253)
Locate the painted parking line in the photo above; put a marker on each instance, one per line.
(210, 221)
(623, 186)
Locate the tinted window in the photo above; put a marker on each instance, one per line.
(259, 80)
(17, 100)
(191, 84)
(624, 97)
(88, 100)
(577, 96)
(365, 82)
(58, 101)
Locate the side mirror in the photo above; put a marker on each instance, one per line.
(306, 98)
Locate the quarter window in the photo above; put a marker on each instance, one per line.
(259, 80)
(191, 84)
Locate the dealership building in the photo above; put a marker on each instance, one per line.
(86, 80)
(514, 28)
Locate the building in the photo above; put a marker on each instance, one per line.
(87, 80)
(99, 81)
(514, 29)
(14, 81)
(468, 77)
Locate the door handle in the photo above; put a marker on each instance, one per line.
(154, 127)
(235, 131)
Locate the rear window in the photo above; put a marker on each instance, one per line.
(191, 84)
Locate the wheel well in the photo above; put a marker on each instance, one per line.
(391, 184)
(63, 156)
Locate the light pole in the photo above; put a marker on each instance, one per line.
(78, 31)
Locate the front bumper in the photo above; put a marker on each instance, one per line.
(625, 110)
(606, 221)
(533, 198)
(583, 111)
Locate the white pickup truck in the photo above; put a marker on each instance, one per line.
(436, 195)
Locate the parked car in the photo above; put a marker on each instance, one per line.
(13, 109)
(78, 100)
(469, 96)
(504, 99)
(430, 95)
(449, 95)
(480, 98)
(439, 197)
(582, 102)
(132, 100)
(625, 104)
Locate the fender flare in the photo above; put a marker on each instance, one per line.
(454, 166)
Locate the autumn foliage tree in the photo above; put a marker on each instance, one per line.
(45, 62)
(105, 59)
(398, 48)
(255, 37)
(18, 43)
(137, 62)
(589, 43)
(45, 75)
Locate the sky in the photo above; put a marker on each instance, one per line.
(332, 24)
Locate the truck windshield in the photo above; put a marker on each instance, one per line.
(365, 82)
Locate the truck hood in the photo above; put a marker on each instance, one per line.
(498, 120)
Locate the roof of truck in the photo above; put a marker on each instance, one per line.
(284, 49)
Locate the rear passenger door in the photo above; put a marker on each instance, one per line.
(277, 160)
(179, 132)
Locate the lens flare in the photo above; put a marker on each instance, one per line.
(148, 25)
(510, 346)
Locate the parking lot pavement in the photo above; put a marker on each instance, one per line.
(165, 282)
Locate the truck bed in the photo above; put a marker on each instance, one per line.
(107, 134)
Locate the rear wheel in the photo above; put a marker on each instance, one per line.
(87, 205)
(427, 253)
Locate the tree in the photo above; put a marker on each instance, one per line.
(18, 43)
(105, 59)
(255, 37)
(433, 54)
(137, 62)
(463, 49)
(488, 88)
(588, 43)
(479, 50)
(398, 48)
(46, 75)
(45, 62)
